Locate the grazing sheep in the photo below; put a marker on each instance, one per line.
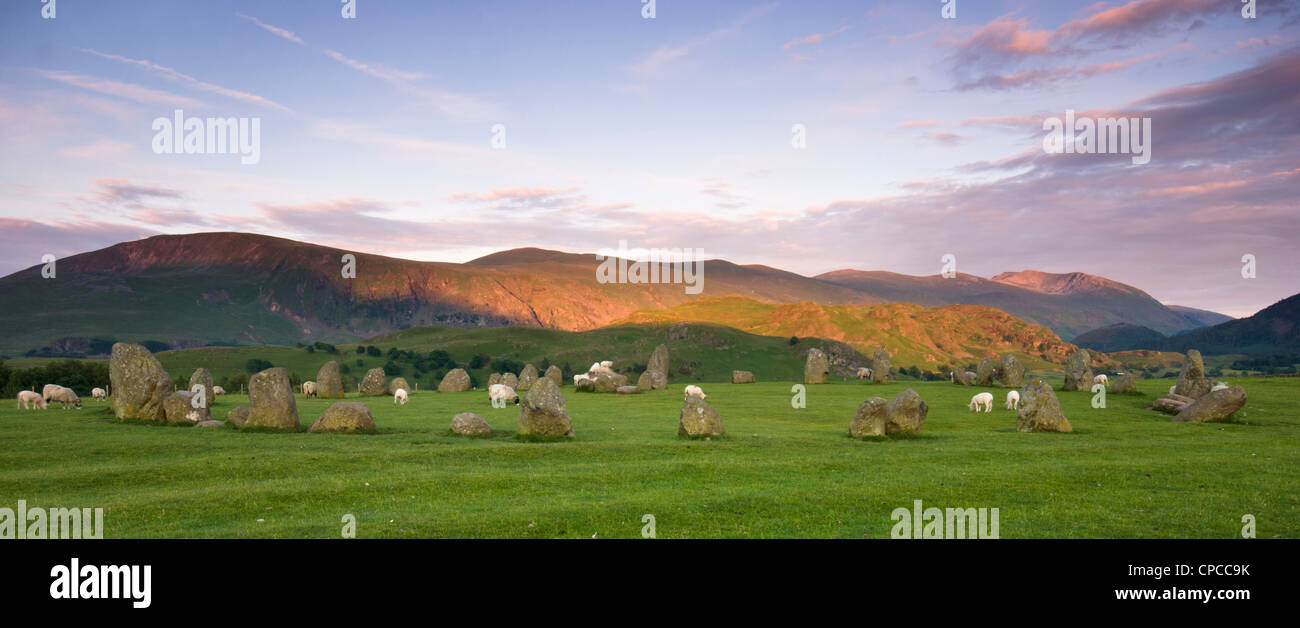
(863, 372)
(1219, 386)
(399, 397)
(309, 389)
(601, 367)
(982, 400)
(502, 392)
(1013, 400)
(27, 398)
(49, 390)
(694, 391)
(1101, 379)
(217, 390)
(98, 394)
(581, 377)
(607, 363)
(65, 397)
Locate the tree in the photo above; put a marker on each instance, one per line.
(373, 351)
(794, 340)
(391, 369)
(253, 365)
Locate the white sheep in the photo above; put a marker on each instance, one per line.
(217, 390)
(1013, 400)
(600, 367)
(863, 372)
(982, 400)
(581, 377)
(1171, 388)
(309, 388)
(65, 397)
(49, 390)
(505, 393)
(399, 397)
(27, 398)
(98, 394)
(1219, 386)
(1101, 379)
(694, 391)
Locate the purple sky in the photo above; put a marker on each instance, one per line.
(924, 134)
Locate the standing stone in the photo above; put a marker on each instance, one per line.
(609, 383)
(1078, 371)
(509, 379)
(398, 382)
(961, 378)
(1125, 383)
(494, 379)
(659, 360)
(271, 402)
(698, 418)
(238, 417)
(880, 366)
(527, 377)
(1011, 372)
(742, 377)
(816, 368)
(1040, 410)
(543, 413)
(554, 374)
(1214, 406)
(344, 416)
(375, 383)
(470, 424)
(871, 418)
(457, 380)
(585, 385)
(202, 377)
(179, 408)
(139, 383)
(1192, 381)
(985, 372)
(652, 380)
(906, 413)
(329, 384)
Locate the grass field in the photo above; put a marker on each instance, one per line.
(779, 472)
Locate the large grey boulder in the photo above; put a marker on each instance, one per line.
(962, 378)
(238, 416)
(202, 377)
(457, 380)
(494, 379)
(871, 418)
(178, 408)
(906, 413)
(398, 383)
(1214, 406)
(344, 416)
(880, 366)
(509, 379)
(1011, 372)
(139, 383)
(604, 382)
(543, 412)
(984, 373)
(1192, 381)
(816, 368)
(374, 384)
(652, 380)
(1078, 371)
(470, 424)
(1125, 383)
(270, 400)
(527, 377)
(329, 384)
(554, 374)
(1040, 410)
(699, 419)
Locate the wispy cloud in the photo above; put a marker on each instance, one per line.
(815, 38)
(129, 91)
(277, 31)
(174, 76)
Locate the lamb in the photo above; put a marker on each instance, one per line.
(982, 400)
(1101, 379)
(27, 398)
(49, 390)
(1013, 400)
(309, 389)
(217, 390)
(65, 397)
(694, 391)
(504, 393)
(863, 372)
(98, 394)
(399, 397)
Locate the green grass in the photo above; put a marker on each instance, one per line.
(779, 471)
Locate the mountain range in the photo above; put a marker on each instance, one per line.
(238, 288)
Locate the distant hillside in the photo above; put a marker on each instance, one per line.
(1202, 318)
(913, 335)
(1273, 330)
(1069, 304)
(1119, 337)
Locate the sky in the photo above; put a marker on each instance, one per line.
(448, 130)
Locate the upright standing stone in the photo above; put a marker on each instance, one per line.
(457, 380)
(698, 419)
(140, 385)
(527, 377)
(1125, 383)
(652, 380)
(880, 366)
(398, 383)
(494, 379)
(906, 413)
(202, 377)
(542, 411)
(554, 374)
(1078, 371)
(871, 418)
(816, 368)
(270, 400)
(375, 383)
(659, 360)
(509, 379)
(1040, 410)
(179, 408)
(329, 384)
(1192, 381)
(1011, 372)
(985, 372)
